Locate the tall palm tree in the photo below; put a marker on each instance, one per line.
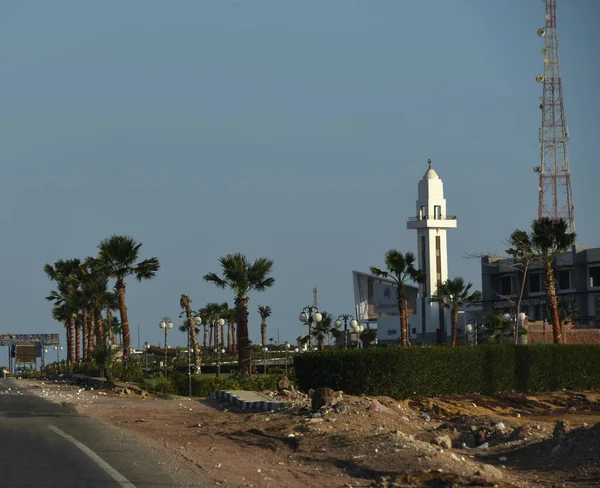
(549, 239)
(64, 273)
(453, 293)
(230, 318)
(264, 312)
(400, 269)
(212, 313)
(205, 321)
(118, 258)
(222, 312)
(184, 303)
(242, 277)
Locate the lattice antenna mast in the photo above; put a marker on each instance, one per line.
(315, 304)
(555, 198)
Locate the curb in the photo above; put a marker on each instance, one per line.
(264, 406)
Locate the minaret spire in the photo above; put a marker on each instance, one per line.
(429, 163)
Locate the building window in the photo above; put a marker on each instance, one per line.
(391, 332)
(506, 285)
(595, 277)
(564, 279)
(414, 331)
(535, 282)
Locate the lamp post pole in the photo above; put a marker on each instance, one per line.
(287, 348)
(219, 350)
(166, 324)
(265, 359)
(309, 315)
(338, 323)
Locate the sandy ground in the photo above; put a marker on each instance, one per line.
(365, 441)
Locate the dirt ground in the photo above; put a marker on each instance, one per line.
(517, 440)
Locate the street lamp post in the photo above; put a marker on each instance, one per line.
(287, 348)
(58, 348)
(264, 350)
(309, 315)
(146, 347)
(44, 352)
(353, 323)
(219, 350)
(515, 322)
(357, 329)
(166, 324)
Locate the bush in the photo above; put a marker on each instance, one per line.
(433, 371)
(129, 370)
(206, 385)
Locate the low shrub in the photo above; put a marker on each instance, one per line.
(433, 371)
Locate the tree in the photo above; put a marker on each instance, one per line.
(400, 269)
(264, 312)
(118, 258)
(185, 304)
(453, 293)
(64, 273)
(549, 239)
(241, 277)
(566, 311)
(522, 253)
(496, 329)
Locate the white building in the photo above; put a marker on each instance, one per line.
(431, 223)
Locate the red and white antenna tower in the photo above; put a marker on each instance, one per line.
(555, 198)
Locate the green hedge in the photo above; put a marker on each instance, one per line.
(433, 371)
(204, 386)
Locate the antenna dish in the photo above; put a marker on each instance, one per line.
(536, 169)
(540, 78)
(541, 106)
(541, 32)
(548, 16)
(539, 188)
(546, 60)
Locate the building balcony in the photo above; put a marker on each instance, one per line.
(441, 222)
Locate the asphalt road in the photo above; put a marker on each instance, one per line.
(48, 445)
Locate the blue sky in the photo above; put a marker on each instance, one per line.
(297, 130)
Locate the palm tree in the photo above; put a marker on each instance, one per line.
(400, 269)
(453, 293)
(241, 276)
(118, 258)
(264, 312)
(566, 311)
(549, 239)
(496, 329)
(230, 319)
(212, 313)
(184, 303)
(222, 311)
(65, 275)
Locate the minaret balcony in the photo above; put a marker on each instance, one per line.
(441, 222)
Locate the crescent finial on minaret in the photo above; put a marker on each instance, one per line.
(429, 163)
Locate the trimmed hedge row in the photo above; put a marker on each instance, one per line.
(433, 371)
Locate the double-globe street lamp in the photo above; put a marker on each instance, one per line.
(358, 330)
(166, 324)
(58, 348)
(516, 322)
(353, 323)
(310, 315)
(219, 350)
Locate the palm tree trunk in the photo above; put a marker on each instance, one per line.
(71, 338)
(111, 332)
(121, 293)
(244, 356)
(229, 345)
(454, 322)
(550, 286)
(100, 329)
(234, 339)
(263, 332)
(519, 301)
(91, 328)
(210, 337)
(193, 338)
(77, 340)
(86, 326)
(205, 338)
(223, 335)
(400, 295)
(216, 331)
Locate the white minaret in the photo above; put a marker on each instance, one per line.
(431, 223)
